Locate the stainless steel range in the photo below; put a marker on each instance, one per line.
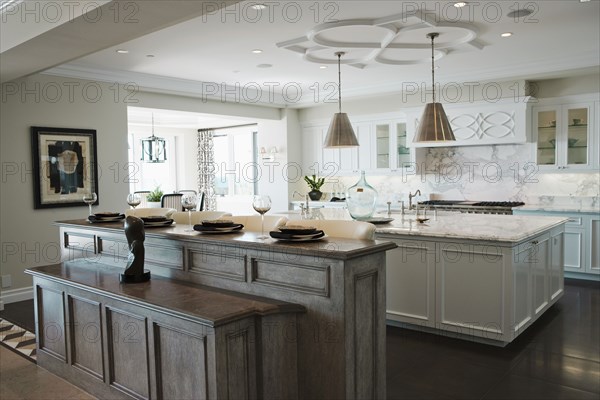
(476, 207)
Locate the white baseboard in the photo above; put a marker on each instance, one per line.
(14, 295)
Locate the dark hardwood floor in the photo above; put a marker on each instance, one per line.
(556, 358)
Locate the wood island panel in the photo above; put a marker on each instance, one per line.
(339, 342)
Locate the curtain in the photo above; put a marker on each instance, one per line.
(206, 169)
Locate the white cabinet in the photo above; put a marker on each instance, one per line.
(492, 291)
(581, 242)
(383, 148)
(410, 274)
(564, 136)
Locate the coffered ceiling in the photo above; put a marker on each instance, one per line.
(212, 54)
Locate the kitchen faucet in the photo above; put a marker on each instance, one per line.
(410, 197)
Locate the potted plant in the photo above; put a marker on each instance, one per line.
(315, 185)
(154, 197)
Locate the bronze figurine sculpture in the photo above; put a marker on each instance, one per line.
(134, 271)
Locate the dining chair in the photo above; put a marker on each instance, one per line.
(340, 228)
(185, 191)
(143, 197)
(172, 200)
(253, 223)
(181, 217)
(150, 212)
(200, 206)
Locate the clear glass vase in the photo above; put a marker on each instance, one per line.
(361, 198)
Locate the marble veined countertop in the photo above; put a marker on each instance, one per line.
(559, 208)
(484, 227)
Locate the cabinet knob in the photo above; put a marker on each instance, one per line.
(534, 242)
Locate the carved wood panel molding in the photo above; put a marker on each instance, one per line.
(493, 125)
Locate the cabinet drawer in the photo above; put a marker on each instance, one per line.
(222, 264)
(313, 279)
(158, 253)
(80, 241)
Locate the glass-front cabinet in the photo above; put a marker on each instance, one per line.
(402, 151)
(563, 136)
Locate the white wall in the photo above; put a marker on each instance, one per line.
(27, 235)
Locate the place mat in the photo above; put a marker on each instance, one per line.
(18, 339)
(150, 224)
(297, 238)
(378, 220)
(214, 229)
(104, 218)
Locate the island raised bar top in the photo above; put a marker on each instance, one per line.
(340, 339)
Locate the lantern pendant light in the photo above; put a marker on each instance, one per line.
(340, 133)
(154, 148)
(434, 125)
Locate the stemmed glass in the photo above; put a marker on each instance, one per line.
(188, 202)
(134, 200)
(90, 198)
(261, 205)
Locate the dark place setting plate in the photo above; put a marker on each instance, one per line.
(295, 237)
(106, 217)
(219, 223)
(298, 230)
(219, 228)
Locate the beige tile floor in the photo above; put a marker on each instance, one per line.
(21, 379)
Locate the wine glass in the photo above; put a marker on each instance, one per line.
(90, 198)
(261, 205)
(134, 200)
(188, 202)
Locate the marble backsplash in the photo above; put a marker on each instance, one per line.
(484, 173)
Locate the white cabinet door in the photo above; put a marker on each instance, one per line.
(312, 147)
(410, 270)
(470, 287)
(593, 246)
(540, 260)
(565, 136)
(366, 161)
(556, 280)
(574, 249)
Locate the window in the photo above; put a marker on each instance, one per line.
(236, 166)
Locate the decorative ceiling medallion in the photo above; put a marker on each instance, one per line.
(393, 40)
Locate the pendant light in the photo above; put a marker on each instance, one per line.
(340, 133)
(434, 125)
(154, 148)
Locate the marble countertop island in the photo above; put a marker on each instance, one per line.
(485, 227)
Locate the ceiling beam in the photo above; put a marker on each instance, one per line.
(113, 23)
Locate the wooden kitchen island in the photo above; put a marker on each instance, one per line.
(322, 304)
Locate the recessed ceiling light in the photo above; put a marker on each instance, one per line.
(506, 34)
(460, 4)
(323, 66)
(264, 65)
(257, 51)
(121, 51)
(258, 6)
(584, 1)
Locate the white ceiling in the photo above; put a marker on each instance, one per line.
(560, 36)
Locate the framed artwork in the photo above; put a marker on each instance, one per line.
(65, 166)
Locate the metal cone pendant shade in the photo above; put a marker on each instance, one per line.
(434, 125)
(340, 132)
